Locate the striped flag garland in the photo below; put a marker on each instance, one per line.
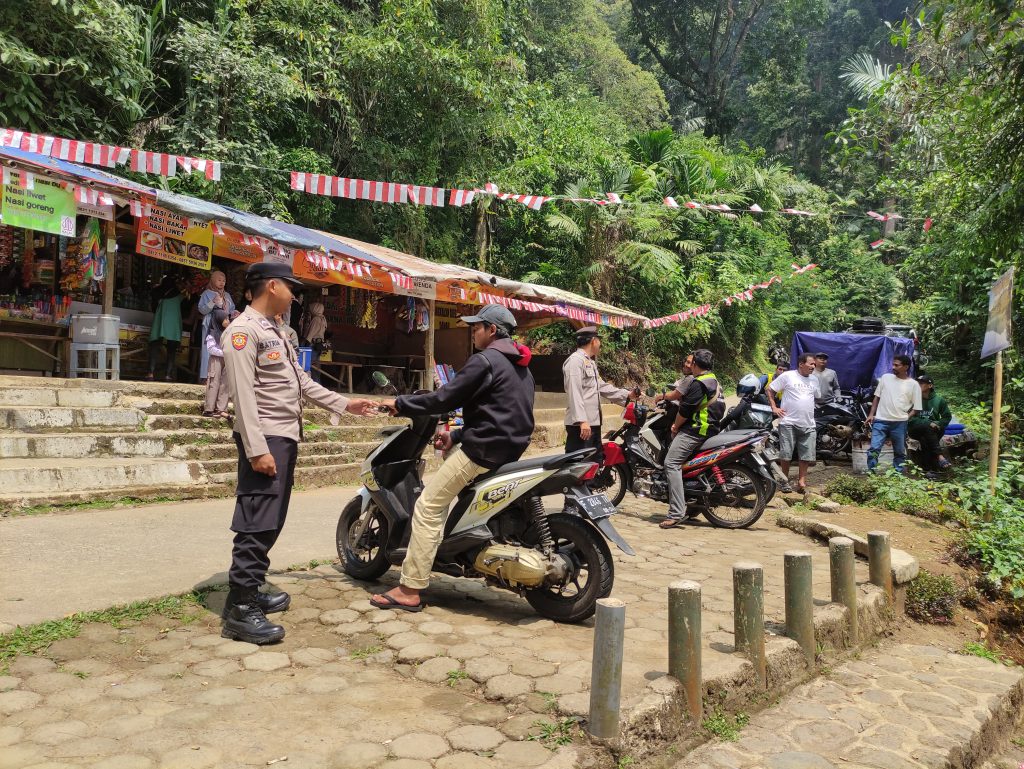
(756, 208)
(139, 209)
(154, 163)
(426, 196)
(401, 281)
(208, 168)
(531, 201)
(89, 196)
(461, 198)
(613, 198)
(671, 203)
(927, 224)
(25, 179)
(876, 243)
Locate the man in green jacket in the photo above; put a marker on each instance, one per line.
(929, 425)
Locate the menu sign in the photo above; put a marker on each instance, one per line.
(46, 208)
(166, 235)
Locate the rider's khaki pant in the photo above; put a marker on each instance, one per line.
(431, 512)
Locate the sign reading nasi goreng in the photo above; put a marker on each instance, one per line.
(46, 208)
(166, 235)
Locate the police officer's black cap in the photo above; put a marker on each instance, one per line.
(585, 334)
(267, 270)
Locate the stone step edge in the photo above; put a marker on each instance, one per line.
(653, 720)
(68, 501)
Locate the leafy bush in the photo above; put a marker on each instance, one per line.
(856, 489)
(932, 598)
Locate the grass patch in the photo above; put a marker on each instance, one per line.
(550, 700)
(554, 734)
(625, 762)
(980, 650)
(313, 563)
(95, 504)
(35, 639)
(454, 676)
(366, 651)
(725, 727)
(932, 598)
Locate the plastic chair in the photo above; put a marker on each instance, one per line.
(104, 353)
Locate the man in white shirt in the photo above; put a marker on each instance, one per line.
(796, 427)
(897, 399)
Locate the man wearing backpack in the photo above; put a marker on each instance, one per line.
(700, 410)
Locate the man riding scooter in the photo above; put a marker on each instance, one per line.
(495, 390)
(700, 409)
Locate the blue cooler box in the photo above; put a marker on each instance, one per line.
(305, 357)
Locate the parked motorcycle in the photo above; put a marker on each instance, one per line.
(498, 530)
(841, 422)
(729, 481)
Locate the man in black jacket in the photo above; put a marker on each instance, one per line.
(495, 391)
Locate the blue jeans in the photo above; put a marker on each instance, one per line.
(881, 432)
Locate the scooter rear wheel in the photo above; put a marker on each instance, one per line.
(739, 501)
(592, 577)
(366, 558)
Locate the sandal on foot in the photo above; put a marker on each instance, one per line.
(670, 523)
(801, 489)
(786, 488)
(393, 604)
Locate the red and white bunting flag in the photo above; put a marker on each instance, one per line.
(877, 243)
(728, 301)
(671, 203)
(461, 197)
(693, 204)
(531, 201)
(25, 179)
(755, 208)
(426, 196)
(139, 209)
(401, 281)
(250, 240)
(927, 224)
(154, 163)
(218, 229)
(718, 207)
(877, 216)
(208, 168)
(489, 189)
(298, 182)
(613, 197)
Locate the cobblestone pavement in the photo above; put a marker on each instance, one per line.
(459, 684)
(898, 707)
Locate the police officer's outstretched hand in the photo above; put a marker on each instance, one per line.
(388, 404)
(443, 441)
(265, 464)
(362, 407)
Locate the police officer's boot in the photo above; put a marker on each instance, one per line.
(274, 602)
(244, 620)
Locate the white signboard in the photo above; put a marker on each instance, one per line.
(1000, 303)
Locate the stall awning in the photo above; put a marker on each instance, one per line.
(328, 258)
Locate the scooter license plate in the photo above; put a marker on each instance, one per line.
(596, 506)
(770, 454)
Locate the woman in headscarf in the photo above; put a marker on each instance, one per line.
(213, 296)
(314, 325)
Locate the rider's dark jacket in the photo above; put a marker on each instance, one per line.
(495, 392)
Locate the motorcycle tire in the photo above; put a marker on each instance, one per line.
(366, 560)
(587, 550)
(613, 481)
(750, 509)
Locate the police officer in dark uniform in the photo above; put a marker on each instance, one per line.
(267, 386)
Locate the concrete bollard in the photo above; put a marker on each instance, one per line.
(844, 582)
(880, 562)
(800, 602)
(748, 615)
(606, 669)
(684, 646)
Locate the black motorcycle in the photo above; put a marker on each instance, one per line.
(841, 422)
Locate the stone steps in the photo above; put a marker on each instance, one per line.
(112, 496)
(897, 706)
(38, 476)
(72, 444)
(49, 419)
(216, 467)
(226, 450)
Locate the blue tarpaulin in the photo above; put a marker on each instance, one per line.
(857, 359)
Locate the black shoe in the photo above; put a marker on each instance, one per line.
(245, 621)
(273, 602)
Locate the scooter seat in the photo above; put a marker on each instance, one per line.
(728, 438)
(549, 462)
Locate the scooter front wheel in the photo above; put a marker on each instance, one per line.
(362, 555)
(591, 572)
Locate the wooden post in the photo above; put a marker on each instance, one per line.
(108, 284)
(428, 353)
(997, 407)
(684, 649)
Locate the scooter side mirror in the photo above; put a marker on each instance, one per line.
(650, 392)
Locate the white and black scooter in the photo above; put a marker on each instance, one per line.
(498, 529)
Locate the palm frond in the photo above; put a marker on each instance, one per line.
(865, 74)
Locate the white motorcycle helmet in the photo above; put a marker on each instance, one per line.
(750, 384)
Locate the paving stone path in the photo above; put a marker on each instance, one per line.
(898, 707)
(461, 684)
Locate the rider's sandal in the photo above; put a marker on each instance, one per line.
(393, 604)
(669, 523)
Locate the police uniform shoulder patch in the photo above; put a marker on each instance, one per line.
(275, 355)
(239, 340)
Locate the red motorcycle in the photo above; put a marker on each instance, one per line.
(729, 481)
